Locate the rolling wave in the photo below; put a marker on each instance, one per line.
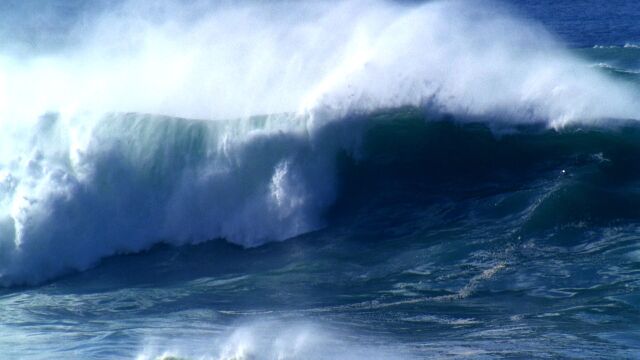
(131, 181)
(359, 110)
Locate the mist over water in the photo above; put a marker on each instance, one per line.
(214, 61)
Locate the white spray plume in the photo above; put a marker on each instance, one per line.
(229, 60)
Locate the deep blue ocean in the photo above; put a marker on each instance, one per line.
(319, 180)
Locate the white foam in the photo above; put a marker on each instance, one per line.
(269, 340)
(228, 60)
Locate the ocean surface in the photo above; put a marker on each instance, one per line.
(319, 180)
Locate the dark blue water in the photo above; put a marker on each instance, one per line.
(480, 231)
(585, 23)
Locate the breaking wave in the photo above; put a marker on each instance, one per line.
(86, 173)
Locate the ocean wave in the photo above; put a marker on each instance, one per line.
(127, 182)
(625, 46)
(610, 67)
(130, 181)
(84, 174)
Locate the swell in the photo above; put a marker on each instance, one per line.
(579, 176)
(620, 62)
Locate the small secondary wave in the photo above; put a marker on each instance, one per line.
(625, 46)
(613, 68)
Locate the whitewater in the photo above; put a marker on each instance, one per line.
(354, 179)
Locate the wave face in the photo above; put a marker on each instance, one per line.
(130, 181)
(84, 174)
